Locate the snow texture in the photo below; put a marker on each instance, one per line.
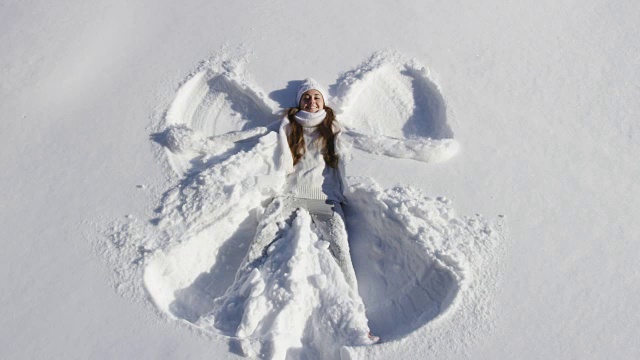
(414, 258)
(539, 99)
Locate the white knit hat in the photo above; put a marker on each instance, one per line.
(310, 84)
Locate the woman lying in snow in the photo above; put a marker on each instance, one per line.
(296, 287)
(315, 183)
(308, 138)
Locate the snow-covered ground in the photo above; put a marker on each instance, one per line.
(536, 196)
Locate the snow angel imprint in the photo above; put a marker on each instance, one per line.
(264, 241)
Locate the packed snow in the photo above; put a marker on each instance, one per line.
(492, 204)
(413, 256)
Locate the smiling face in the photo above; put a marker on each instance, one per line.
(311, 101)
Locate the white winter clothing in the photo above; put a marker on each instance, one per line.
(310, 84)
(310, 119)
(313, 185)
(329, 222)
(311, 178)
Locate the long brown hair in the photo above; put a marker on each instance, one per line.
(327, 137)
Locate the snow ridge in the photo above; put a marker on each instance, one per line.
(391, 95)
(296, 301)
(414, 258)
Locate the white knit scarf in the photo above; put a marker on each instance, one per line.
(309, 119)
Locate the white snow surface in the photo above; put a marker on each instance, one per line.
(410, 251)
(493, 178)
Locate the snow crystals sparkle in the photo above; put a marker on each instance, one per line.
(413, 256)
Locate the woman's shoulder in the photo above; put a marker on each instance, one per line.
(284, 125)
(284, 119)
(336, 127)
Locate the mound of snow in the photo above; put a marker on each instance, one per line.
(295, 300)
(391, 95)
(414, 258)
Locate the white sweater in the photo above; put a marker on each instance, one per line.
(311, 178)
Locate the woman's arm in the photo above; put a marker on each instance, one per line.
(181, 138)
(240, 135)
(422, 149)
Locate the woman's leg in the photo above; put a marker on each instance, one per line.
(269, 230)
(328, 219)
(333, 230)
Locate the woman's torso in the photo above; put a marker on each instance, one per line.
(311, 177)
